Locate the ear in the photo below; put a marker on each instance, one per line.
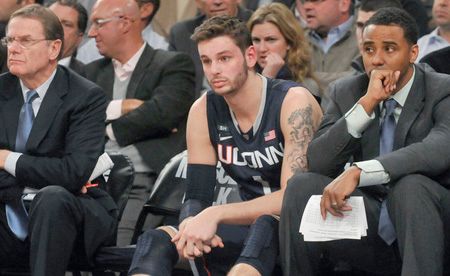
(344, 5)
(146, 10)
(250, 56)
(54, 49)
(413, 53)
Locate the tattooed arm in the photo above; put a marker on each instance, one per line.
(300, 117)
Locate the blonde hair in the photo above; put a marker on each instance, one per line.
(298, 58)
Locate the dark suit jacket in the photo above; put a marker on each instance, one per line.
(180, 40)
(165, 82)
(3, 61)
(421, 138)
(77, 66)
(439, 60)
(66, 139)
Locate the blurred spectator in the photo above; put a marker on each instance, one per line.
(180, 34)
(148, 8)
(299, 12)
(73, 17)
(417, 10)
(280, 44)
(439, 60)
(332, 36)
(151, 92)
(439, 37)
(255, 4)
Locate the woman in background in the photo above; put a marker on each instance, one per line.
(281, 48)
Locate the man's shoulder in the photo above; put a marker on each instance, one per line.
(8, 82)
(187, 27)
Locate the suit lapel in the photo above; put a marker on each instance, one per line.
(139, 72)
(49, 108)
(105, 75)
(11, 111)
(413, 105)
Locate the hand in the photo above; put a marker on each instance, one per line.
(130, 105)
(83, 190)
(335, 194)
(382, 84)
(197, 235)
(274, 62)
(3, 155)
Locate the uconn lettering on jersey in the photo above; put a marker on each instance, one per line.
(229, 154)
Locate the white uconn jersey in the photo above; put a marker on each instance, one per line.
(254, 159)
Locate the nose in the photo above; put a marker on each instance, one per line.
(216, 68)
(14, 47)
(377, 59)
(92, 31)
(262, 46)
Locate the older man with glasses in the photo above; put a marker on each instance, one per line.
(51, 134)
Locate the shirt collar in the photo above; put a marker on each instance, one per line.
(123, 71)
(335, 33)
(65, 61)
(41, 90)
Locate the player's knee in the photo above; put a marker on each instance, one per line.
(155, 254)
(261, 246)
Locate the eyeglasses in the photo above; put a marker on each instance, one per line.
(23, 42)
(100, 22)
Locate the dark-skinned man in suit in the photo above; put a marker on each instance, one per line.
(393, 123)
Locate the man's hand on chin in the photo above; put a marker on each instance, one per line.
(3, 155)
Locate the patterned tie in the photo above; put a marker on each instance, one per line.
(385, 227)
(16, 214)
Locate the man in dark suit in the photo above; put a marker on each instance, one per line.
(393, 123)
(51, 134)
(180, 33)
(73, 17)
(151, 92)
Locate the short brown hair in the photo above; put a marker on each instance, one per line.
(53, 29)
(224, 25)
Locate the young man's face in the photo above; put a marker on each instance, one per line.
(224, 64)
(386, 48)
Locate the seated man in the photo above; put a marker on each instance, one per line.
(73, 17)
(393, 122)
(150, 93)
(259, 129)
(51, 134)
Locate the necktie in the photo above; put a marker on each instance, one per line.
(15, 211)
(385, 227)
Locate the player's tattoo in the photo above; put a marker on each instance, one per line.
(301, 121)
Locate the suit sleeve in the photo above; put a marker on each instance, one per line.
(165, 110)
(332, 146)
(429, 157)
(71, 165)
